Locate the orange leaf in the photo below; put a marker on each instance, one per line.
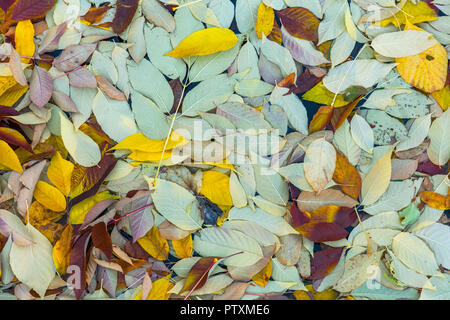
(94, 15)
(435, 200)
(321, 119)
(346, 176)
(340, 114)
(183, 248)
(198, 275)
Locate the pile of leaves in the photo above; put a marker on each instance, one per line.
(162, 149)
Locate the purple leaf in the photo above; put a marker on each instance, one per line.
(5, 4)
(82, 78)
(41, 87)
(30, 9)
(73, 56)
(50, 42)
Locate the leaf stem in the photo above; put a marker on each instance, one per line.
(129, 213)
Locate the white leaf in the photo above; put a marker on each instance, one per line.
(270, 185)
(397, 196)
(362, 133)
(278, 55)
(345, 143)
(439, 149)
(341, 49)
(414, 253)
(247, 58)
(39, 270)
(246, 13)
(437, 236)
(237, 192)
(223, 242)
(293, 106)
(319, 164)
(417, 133)
(403, 43)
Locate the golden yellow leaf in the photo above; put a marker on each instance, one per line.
(320, 94)
(154, 244)
(12, 94)
(183, 248)
(443, 97)
(262, 277)
(203, 42)
(314, 295)
(50, 197)
(159, 290)
(79, 210)
(6, 83)
(139, 142)
(42, 219)
(427, 70)
(8, 157)
(414, 13)
(435, 200)
(61, 250)
(216, 187)
(24, 38)
(59, 173)
(264, 20)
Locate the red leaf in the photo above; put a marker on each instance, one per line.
(30, 9)
(322, 231)
(298, 217)
(324, 262)
(101, 239)
(125, 10)
(41, 87)
(300, 23)
(94, 15)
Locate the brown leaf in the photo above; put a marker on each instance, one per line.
(109, 89)
(78, 258)
(101, 239)
(31, 9)
(73, 56)
(275, 35)
(125, 10)
(95, 15)
(346, 176)
(63, 101)
(198, 275)
(402, 169)
(340, 114)
(41, 87)
(234, 291)
(300, 23)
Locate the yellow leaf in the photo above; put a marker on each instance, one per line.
(427, 70)
(59, 173)
(24, 38)
(262, 277)
(61, 250)
(154, 244)
(8, 157)
(264, 20)
(216, 187)
(50, 197)
(314, 295)
(41, 218)
(443, 97)
(138, 155)
(159, 290)
(6, 83)
(183, 248)
(203, 42)
(320, 94)
(12, 94)
(79, 211)
(414, 13)
(139, 142)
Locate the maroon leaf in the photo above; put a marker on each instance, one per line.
(345, 217)
(125, 10)
(30, 9)
(298, 217)
(5, 4)
(101, 239)
(324, 262)
(14, 137)
(73, 56)
(77, 279)
(430, 168)
(7, 111)
(305, 82)
(41, 87)
(322, 231)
